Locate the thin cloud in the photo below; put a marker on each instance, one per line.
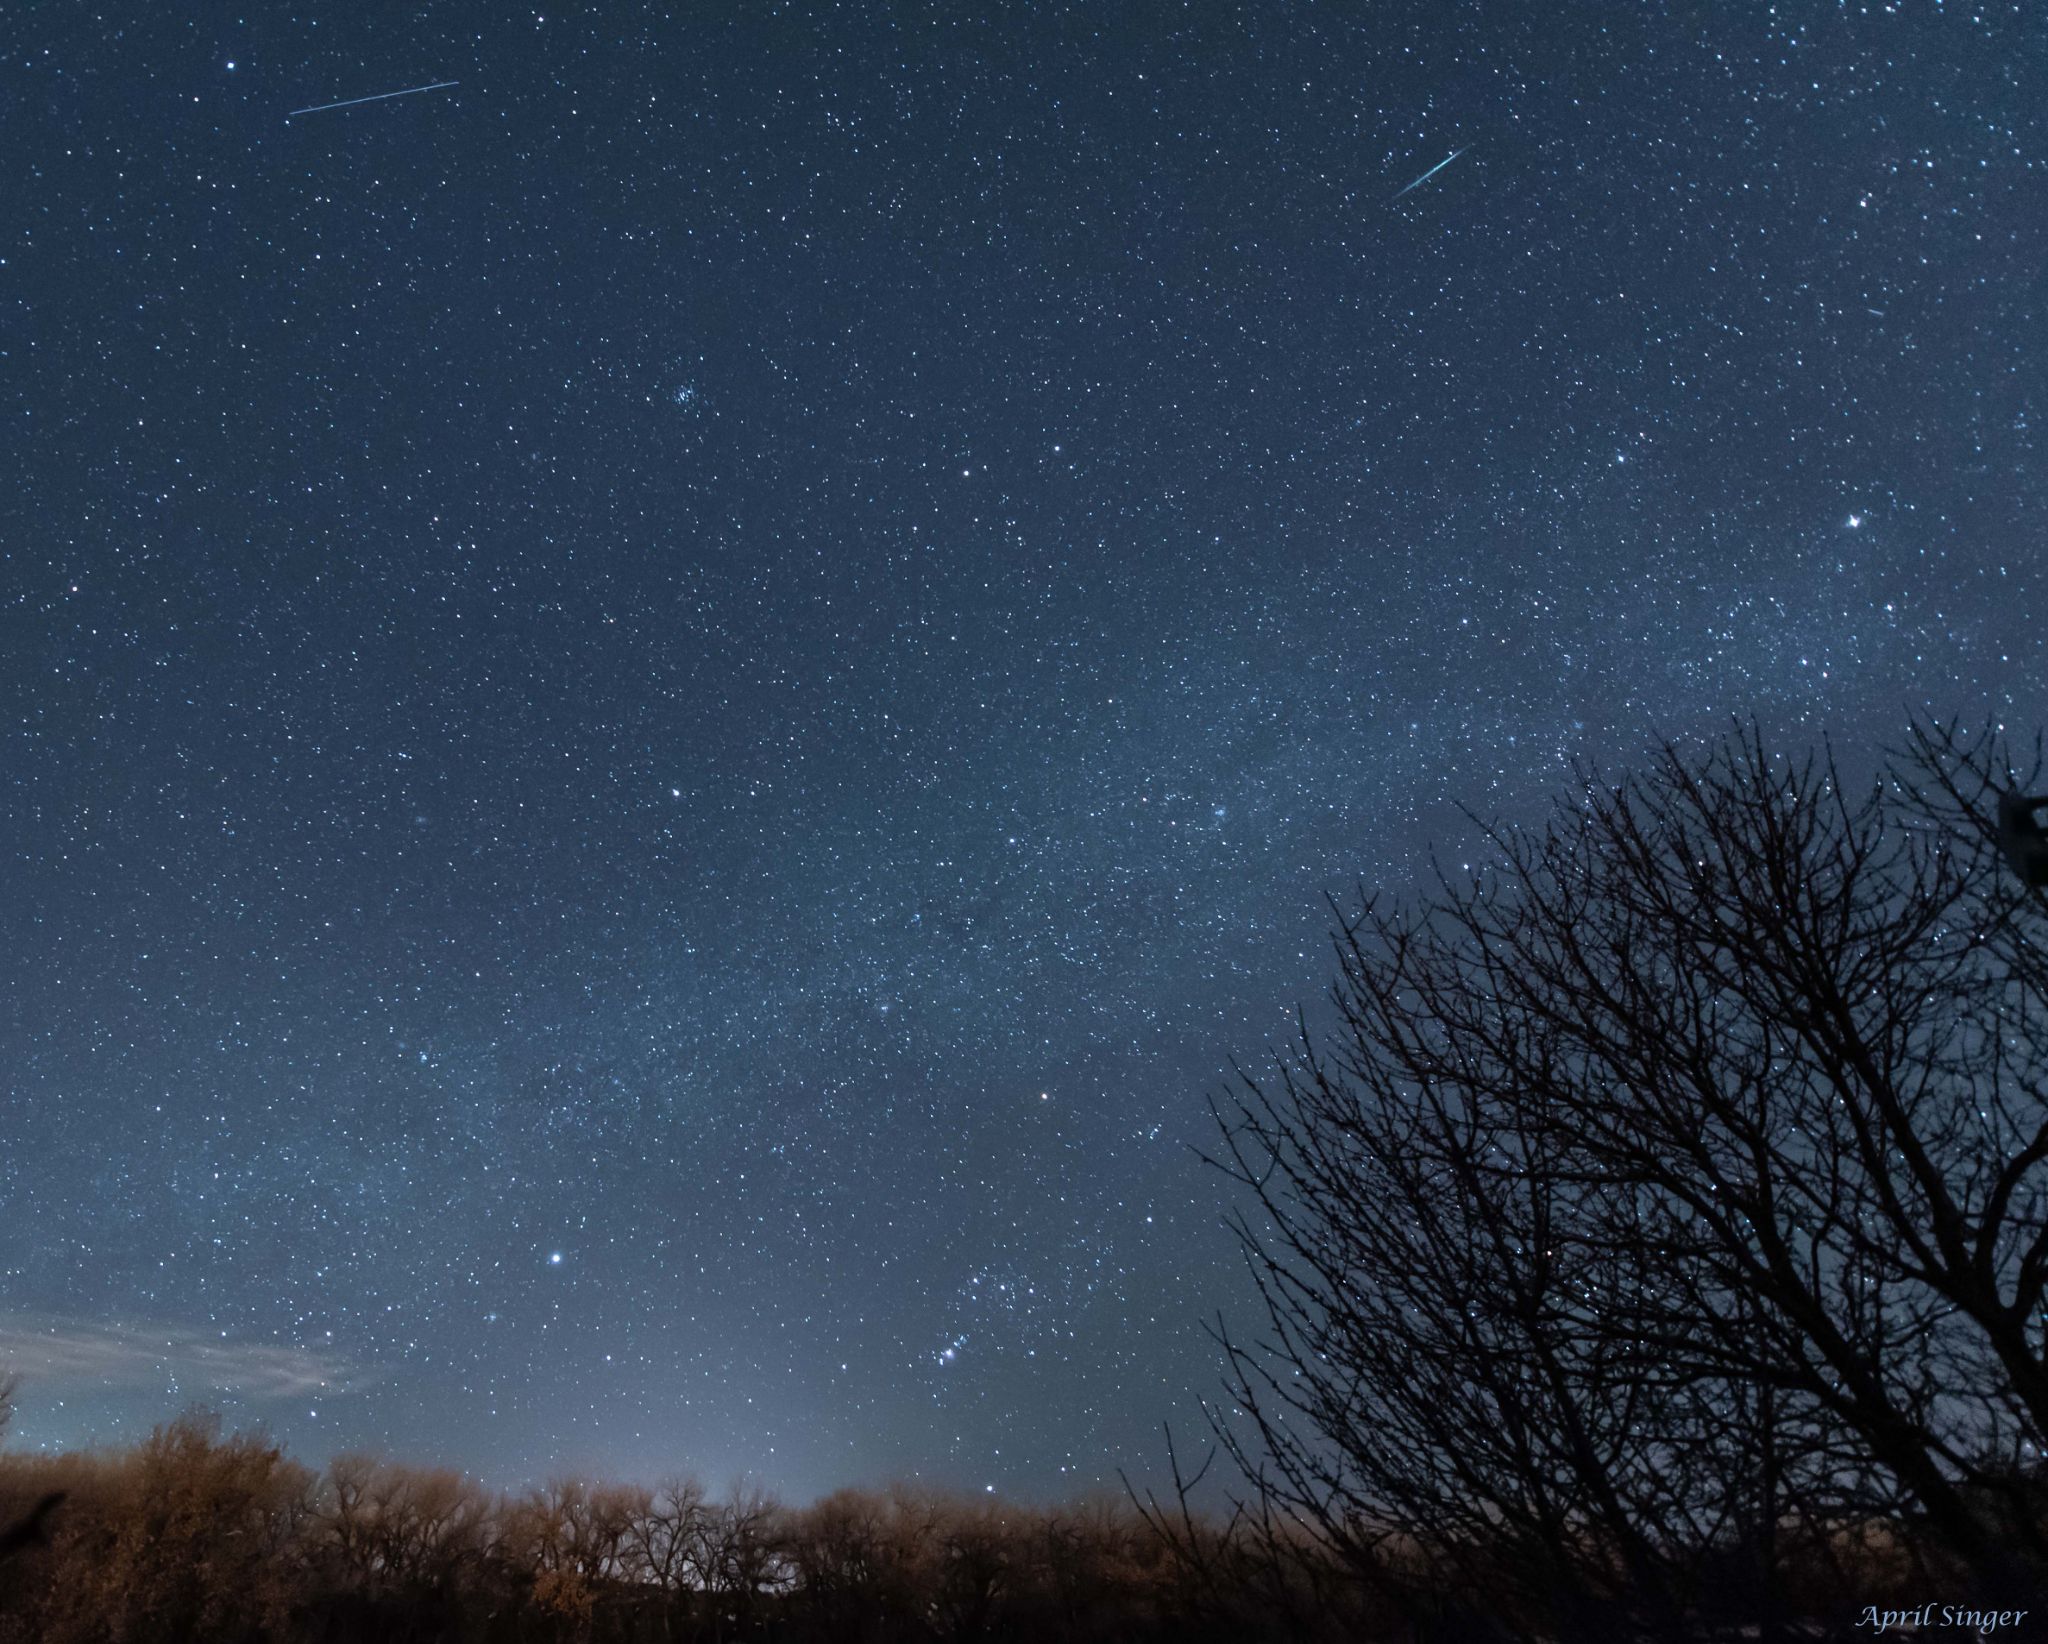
(55, 1353)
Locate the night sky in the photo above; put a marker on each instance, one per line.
(667, 710)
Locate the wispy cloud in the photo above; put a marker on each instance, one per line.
(51, 1353)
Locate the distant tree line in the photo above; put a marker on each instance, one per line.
(199, 1535)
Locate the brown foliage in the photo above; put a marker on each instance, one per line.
(198, 1535)
(188, 1536)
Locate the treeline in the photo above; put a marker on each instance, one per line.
(199, 1535)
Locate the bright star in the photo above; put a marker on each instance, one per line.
(1855, 522)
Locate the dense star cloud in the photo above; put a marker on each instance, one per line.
(667, 708)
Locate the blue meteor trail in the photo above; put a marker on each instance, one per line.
(350, 102)
(1431, 172)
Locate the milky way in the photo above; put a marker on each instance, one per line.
(667, 713)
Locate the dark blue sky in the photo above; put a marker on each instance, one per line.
(666, 711)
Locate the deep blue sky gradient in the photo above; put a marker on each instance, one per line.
(665, 713)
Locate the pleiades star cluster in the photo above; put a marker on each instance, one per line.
(668, 703)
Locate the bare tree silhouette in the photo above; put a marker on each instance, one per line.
(1676, 1186)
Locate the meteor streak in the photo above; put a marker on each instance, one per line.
(350, 102)
(1431, 172)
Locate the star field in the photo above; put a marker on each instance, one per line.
(666, 711)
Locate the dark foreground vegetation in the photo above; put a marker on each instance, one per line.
(1654, 1238)
(193, 1535)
